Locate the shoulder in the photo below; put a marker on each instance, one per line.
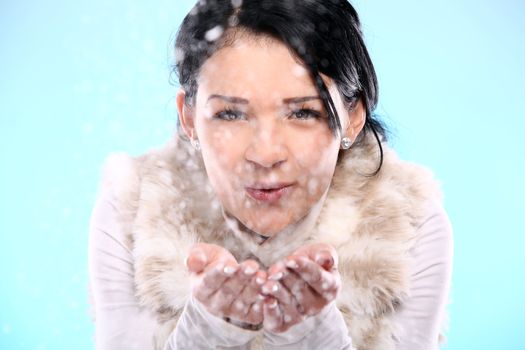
(123, 175)
(120, 177)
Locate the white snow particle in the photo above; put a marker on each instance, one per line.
(214, 33)
(179, 54)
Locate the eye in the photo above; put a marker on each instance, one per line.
(306, 113)
(229, 114)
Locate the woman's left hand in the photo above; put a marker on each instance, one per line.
(300, 286)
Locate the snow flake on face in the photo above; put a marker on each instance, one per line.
(313, 185)
(299, 71)
(228, 135)
(273, 178)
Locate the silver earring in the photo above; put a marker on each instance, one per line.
(346, 142)
(195, 143)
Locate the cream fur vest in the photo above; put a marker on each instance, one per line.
(166, 204)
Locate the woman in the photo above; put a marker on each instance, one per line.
(286, 221)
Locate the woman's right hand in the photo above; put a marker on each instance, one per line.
(224, 287)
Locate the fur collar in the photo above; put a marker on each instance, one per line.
(167, 204)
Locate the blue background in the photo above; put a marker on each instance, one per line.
(81, 79)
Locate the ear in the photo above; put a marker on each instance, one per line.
(357, 121)
(185, 115)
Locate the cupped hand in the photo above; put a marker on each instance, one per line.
(225, 287)
(300, 286)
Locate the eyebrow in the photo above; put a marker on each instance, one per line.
(231, 99)
(240, 100)
(300, 99)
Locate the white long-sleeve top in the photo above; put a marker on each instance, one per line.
(120, 322)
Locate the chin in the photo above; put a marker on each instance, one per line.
(269, 225)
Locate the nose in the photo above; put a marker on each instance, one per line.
(267, 147)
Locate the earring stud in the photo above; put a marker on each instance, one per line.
(346, 142)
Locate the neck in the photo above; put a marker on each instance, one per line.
(305, 224)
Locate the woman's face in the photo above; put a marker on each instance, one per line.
(261, 124)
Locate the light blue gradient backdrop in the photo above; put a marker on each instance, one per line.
(81, 79)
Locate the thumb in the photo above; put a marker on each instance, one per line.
(202, 254)
(321, 253)
(196, 261)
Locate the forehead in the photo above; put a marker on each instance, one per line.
(254, 67)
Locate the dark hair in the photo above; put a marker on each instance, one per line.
(324, 34)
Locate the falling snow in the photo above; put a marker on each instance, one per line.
(214, 33)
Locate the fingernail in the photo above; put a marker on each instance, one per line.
(324, 258)
(229, 270)
(292, 264)
(249, 270)
(259, 280)
(260, 297)
(277, 276)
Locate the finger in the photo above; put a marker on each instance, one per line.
(229, 292)
(306, 299)
(290, 316)
(196, 261)
(213, 278)
(320, 280)
(325, 259)
(272, 316)
(249, 268)
(227, 297)
(203, 254)
(278, 291)
(248, 295)
(252, 291)
(291, 310)
(255, 313)
(322, 253)
(277, 271)
(260, 277)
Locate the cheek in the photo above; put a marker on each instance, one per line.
(317, 162)
(222, 150)
(317, 155)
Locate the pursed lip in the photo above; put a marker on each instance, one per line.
(269, 193)
(263, 186)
